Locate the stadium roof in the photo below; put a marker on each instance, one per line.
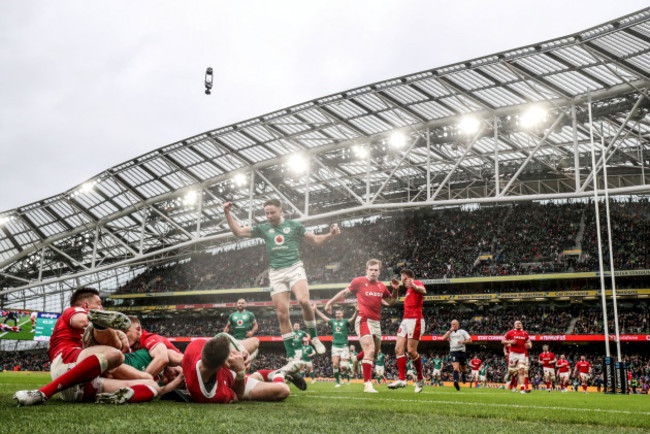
(509, 126)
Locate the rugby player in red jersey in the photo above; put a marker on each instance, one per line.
(410, 331)
(370, 292)
(583, 367)
(563, 372)
(216, 373)
(76, 370)
(547, 360)
(474, 365)
(163, 353)
(519, 342)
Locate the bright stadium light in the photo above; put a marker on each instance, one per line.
(397, 141)
(532, 117)
(239, 180)
(6, 219)
(190, 198)
(360, 152)
(87, 187)
(298, 163)
(469, 125)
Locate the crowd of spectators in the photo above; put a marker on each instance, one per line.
(24, 361)
(494, 240)
(477, 320)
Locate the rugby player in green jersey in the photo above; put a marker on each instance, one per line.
(436, 377)
(307, 357)
(353, 364)
(297, 342)
(243, 322)
(380, 372)
(287, 274)
(340, 332)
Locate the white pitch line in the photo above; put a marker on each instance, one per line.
(484, 404)
(24, 322)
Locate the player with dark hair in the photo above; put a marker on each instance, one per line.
(11, 316)
(243, 322)
(519, 343)
(161, 351)
(340, 350)
(370, 293)
(410, 331)
(215, 372)
(76, 371)
(563, 372)
(583, 370)
(547, 360)
(287, 274)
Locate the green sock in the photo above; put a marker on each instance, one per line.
(337, 376)
(313, 375)
(311, 329)
(288, 344)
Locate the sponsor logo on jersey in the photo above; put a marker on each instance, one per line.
(240, 322)
(374, 294)
(279, 240)
(338, 329)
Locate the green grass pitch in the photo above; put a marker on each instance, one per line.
(322, 408)
(25, 323)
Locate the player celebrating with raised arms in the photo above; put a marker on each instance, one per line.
(519, 342)
(410, 331)
(547, 360)
(458, 338)
(287, 274)
(370, 292)
(340, 350)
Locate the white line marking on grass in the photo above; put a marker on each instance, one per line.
(485, 404)
(24, 322)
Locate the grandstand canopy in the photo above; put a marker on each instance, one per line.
(509, 126)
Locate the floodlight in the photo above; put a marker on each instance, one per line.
(532, 117)
(87, 187)
(397, 140)
(298, 163)
(190, 198)
(469, 125)
(360, 152)
(240, 180)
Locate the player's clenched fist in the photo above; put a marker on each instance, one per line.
(227, 207)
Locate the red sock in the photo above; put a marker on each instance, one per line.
(83, 372)
(418, 367)
(360, 356)
(401, 366)
(367, 370)
(265, 373)
(548, 386)
(513, 382)
(526, 382)
(584, 387)
(142, 393)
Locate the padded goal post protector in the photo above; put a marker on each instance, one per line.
(609, 375)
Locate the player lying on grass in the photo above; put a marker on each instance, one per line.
(76, 371)
(215, 372)
(4, 328)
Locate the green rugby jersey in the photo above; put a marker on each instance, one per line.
(381, 358)
(281, 241)
(240, 323)
(297, 339)
(307, 351)
(437, 363)
(340, 332)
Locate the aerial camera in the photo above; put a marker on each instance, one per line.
(208, 80)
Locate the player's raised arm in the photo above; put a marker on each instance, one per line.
(319, 240)
(319, 313)
(394, 283)
(410, 283)
(236, 228)
(341, 295)
(354, 314)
